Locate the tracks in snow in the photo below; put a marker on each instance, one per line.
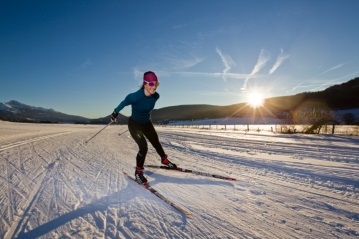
(59, 187)
(28, 141)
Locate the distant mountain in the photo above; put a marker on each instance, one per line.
(338, 97)
(16, 111)
(19, 112)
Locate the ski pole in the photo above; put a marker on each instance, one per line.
(122, 132)
(98, 132)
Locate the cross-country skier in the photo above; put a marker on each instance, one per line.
(140, 125)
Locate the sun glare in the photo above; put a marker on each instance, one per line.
(255, 99)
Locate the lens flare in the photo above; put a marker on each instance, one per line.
(255, 99)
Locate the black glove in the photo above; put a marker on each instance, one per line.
(114, 116)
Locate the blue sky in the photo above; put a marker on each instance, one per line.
(83, 57)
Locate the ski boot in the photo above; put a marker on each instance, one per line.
(139, 175)
(165, 161)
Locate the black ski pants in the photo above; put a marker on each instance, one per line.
(138, 132)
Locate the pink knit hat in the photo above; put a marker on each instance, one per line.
(150, 76)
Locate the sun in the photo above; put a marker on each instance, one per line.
(255, 99)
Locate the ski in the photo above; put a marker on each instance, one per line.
(193, 172)
(159, 195)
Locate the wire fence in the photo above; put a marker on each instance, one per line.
(352, 130)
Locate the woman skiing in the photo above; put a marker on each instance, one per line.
(140, 125)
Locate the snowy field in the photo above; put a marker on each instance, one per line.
(53, 185)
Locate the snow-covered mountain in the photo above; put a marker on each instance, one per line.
(16, 107)
(19, 112)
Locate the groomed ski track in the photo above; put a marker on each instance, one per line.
(54, 185)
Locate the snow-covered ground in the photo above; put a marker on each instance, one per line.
(54, 185)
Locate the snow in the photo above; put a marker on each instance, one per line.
(7, 107)
(54, 185)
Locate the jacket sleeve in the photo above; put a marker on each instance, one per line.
(127, 101)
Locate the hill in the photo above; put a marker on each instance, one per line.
(337, 97)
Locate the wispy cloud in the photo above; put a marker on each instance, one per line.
(279, 61)
(177, 60)
(301, 87)
(337, 80)
(186, 63)
(318, 85)
(206, 74)
(261, 62)
(137, 74)
(332, 69)
(227, 63)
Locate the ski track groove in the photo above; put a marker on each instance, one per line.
(32, 140)
(19, 227)
(9, 193)
(262, 164)
(265, 147)
(63, 179)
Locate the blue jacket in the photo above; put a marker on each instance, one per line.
(142, 105)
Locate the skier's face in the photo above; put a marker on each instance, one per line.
(151, 87)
